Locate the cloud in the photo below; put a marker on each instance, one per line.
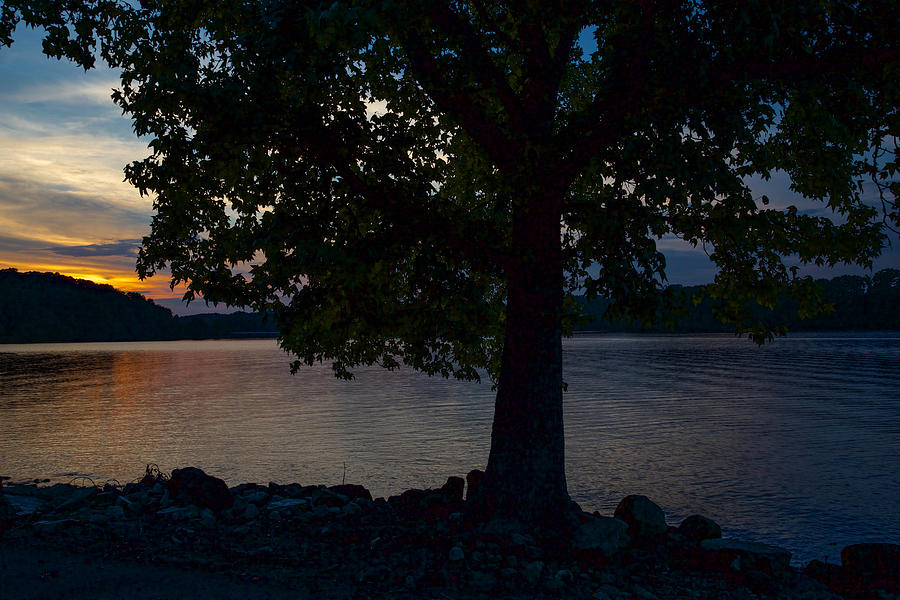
(119, 248)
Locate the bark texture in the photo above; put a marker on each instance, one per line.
(525, 477)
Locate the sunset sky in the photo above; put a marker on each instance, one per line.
(64, 206)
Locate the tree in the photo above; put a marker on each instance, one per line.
(428, 182)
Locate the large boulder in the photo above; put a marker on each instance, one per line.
(697, 528)
(644, 518)
(192, 486)
(601, 535)
(737, 555)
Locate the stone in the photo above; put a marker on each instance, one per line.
(482, 581)
(473, 480)
(602, 535)
(456, 554)
(826, 573)
(409, 499)
(453, 489)
(641, 593)
(565, 576)
(78, 498)
(327, 497)
(115, 513)
(873, 562)
(192, 486)
(352, 509)
(645, 519)
(287, 503)
(533, 571)
(128, 504)
(258, 496)
(374, 573)
(23, 505)
(6, 509)
(208, 518)
(55, 525)
(724, 555)
(180, 513)
(251, 512)
(697, 528)
(351, 491)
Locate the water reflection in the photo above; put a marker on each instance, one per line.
(797, 442)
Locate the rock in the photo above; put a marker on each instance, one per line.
(374, 573)
(192, 486)
(409, 499)
(23, 505)
(481, 581)
(128, 505)
(827, 573)
(644, 518)
(352, 509)
(602, 535)
(6, 509)
(724, 555)
(287, 503)
(456, 554)
(641, 593)
(294, 490)
(208, 518)
(327, 497)
(611, 592)
(351, 491)
(697, 528)
(873, 563)
(251, 512)
(78, 498)
(473, 480)
(115, 513)
(553, 586)
(533, 571)
(258, 496)
(54, 526)
(565, 576)
(180, 513)
(453, 489)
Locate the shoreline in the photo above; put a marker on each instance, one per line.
(338, 542)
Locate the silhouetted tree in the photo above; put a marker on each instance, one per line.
(427, 182)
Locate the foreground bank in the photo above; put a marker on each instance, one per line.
(339, 542)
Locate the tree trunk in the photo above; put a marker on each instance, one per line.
(525, 477)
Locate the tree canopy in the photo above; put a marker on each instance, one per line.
(430, 182)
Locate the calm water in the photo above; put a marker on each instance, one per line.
(796, 443)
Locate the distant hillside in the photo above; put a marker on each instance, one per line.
(49, 307)
(858, 303)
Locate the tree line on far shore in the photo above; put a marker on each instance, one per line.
(49, 307)
(853, 303)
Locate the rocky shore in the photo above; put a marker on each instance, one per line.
(338, 542)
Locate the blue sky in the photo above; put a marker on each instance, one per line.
(64, 206)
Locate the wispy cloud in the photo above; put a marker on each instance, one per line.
(118, 248)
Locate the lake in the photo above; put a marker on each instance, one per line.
(796, 443)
